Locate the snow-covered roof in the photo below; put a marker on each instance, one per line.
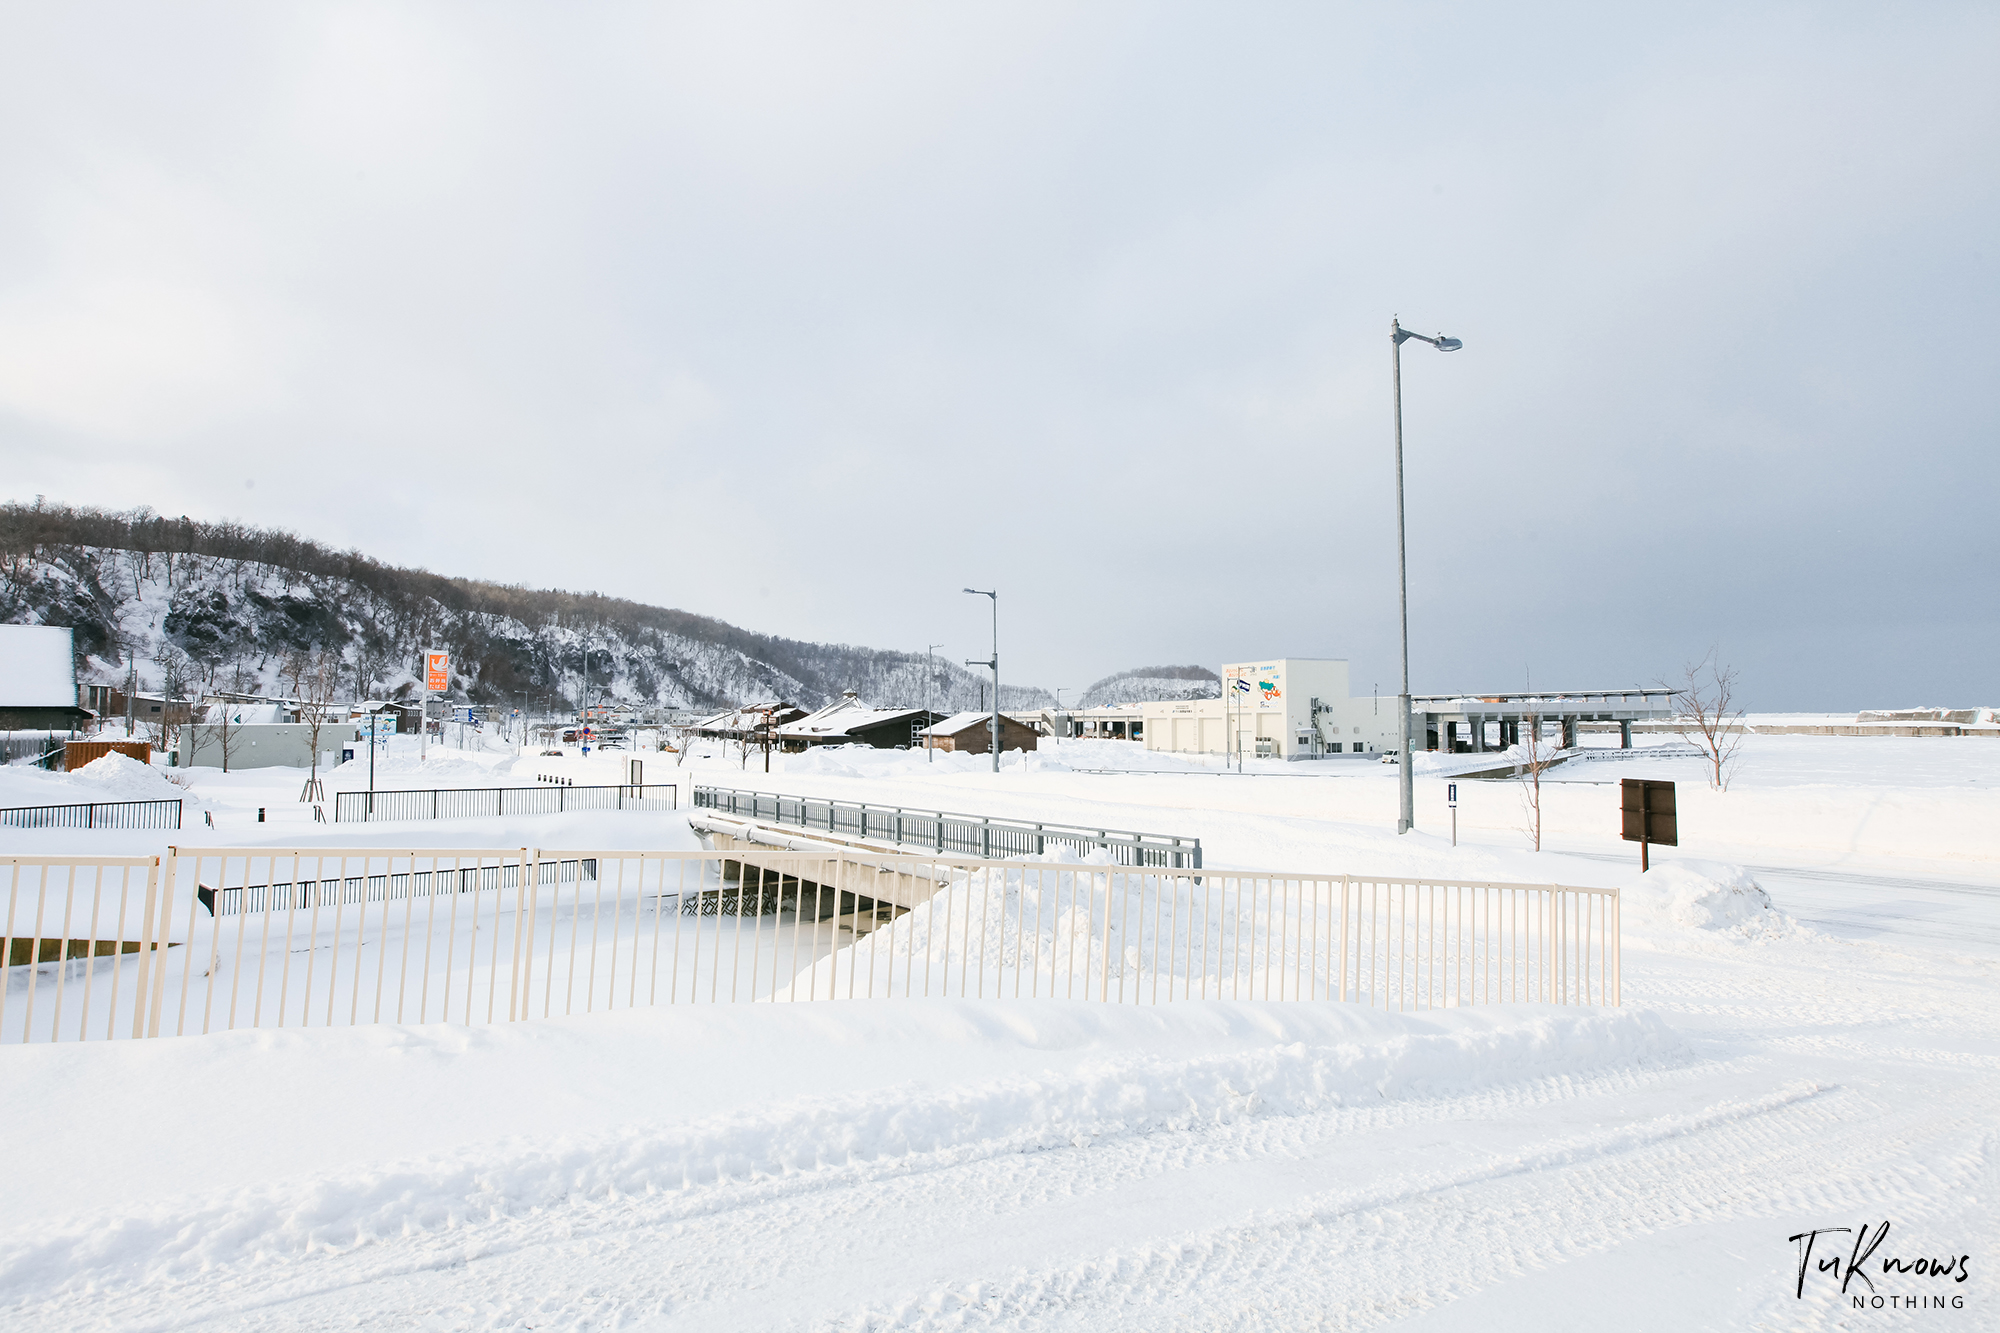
(750, 717)
(956, 723)
(37, 669)
(843, 717)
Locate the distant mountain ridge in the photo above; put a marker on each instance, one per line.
(1142, 684)
(244, 604)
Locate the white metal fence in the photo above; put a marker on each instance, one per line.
(316, 937)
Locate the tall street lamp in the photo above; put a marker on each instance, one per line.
(1406, 762)
(995, 664)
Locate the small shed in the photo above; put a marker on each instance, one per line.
(972, 733)
(78, 753)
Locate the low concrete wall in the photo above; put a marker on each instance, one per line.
(868, 870)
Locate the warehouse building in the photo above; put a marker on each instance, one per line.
(1283, 708)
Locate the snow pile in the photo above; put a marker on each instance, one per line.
(1179, 1068)
(443, 765)
(113, 777)
(1703, 895)
(120, 777)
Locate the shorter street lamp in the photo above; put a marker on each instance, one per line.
(994, 662)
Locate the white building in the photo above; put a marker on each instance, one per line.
(1287, 708)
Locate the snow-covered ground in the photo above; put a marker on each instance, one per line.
(1205, 1165)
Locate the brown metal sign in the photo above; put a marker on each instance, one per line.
(1646, 812)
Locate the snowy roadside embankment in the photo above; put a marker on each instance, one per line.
(112, 777)
(832, 1092)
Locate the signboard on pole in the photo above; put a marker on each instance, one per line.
(437, 672)
(1646, 815)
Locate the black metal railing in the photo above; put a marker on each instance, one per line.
(95, 814)
(487, 802)
(233, 899)
(951, 834)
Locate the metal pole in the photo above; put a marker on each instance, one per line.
(996, 681)
(930, 672)
(993, 726)
(1405, 765)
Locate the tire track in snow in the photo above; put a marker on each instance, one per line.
(1739, 1161)
(1011, 1177)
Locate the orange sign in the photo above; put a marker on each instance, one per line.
(437, 672)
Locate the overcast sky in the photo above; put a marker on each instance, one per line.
(809, 317)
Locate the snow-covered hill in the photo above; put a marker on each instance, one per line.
(243, 606)
(1144, 684)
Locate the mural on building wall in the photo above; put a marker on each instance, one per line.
(1265, 687)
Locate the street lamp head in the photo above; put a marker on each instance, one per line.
(1444, 344)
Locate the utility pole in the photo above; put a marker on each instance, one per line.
(994, 662)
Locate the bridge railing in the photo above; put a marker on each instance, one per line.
(209, 940)
(948, 833)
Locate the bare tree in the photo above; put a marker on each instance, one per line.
(1705, 696)
(176, 675)
(293, 667)
(317, 682)
(684, 736)
(214, 725)
(1534, 758)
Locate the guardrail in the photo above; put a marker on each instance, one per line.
(109, 947)
(947, 833)
(487, 802)
(94, 814)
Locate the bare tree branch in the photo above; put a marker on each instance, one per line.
(1708, 717)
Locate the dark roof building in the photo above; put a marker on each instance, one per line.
(848, 721)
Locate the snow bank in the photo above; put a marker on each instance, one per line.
(1703, 895)
(1073, 1073)
(443, 765)
(114, 777)
(122, 778)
